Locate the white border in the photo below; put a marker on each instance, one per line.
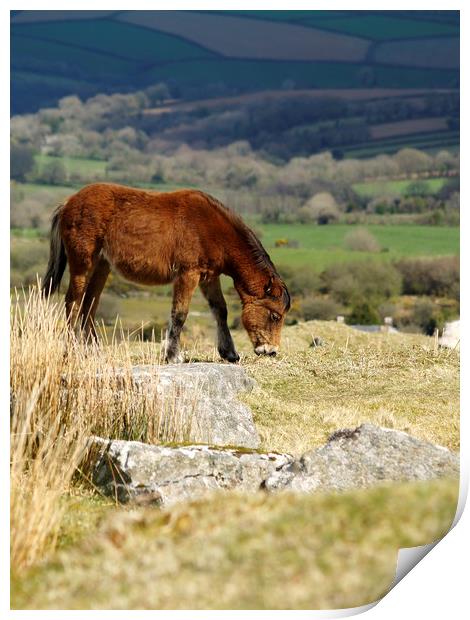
(438, 585)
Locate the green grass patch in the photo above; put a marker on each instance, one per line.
(26, 233)
(232, 551)
(323, 245)
(379, 188)
(84, 167)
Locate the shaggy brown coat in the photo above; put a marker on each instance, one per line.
(185, 237)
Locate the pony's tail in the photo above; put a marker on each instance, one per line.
(57, 257)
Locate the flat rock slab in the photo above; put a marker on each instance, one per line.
(352, 458)
(363, 457)
(206, 393)
(165, 475)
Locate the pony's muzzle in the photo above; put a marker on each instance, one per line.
(266, 349)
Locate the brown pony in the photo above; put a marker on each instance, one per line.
(185, 237)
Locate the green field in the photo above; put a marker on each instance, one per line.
(140, 44)
(371, 189)
(88, 167)
(324, 245)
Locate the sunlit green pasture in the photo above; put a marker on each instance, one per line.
(399, 187)
(320, 246)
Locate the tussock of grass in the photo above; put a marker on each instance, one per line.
(63, 391)
(246, 552)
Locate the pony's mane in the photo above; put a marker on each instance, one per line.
(259, 254)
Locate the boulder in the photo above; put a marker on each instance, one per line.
(164, 475)
(363, 457)
(205, 393)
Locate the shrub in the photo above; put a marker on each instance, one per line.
(425, 316)
(364, 313)
(320, 308)
(354, 282)
(382, 204)
(321, 208)
(417, 188)
(21, 161)
(53, 173)
(439, 277)
(301, 282)
(361, 240)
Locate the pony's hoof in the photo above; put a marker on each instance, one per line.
(231, 357)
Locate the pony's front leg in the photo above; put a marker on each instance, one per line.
(183, 288)
(212, 291)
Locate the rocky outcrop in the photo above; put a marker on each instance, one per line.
(162, 474)
(363, 457)
(352, 458)
(207, 394)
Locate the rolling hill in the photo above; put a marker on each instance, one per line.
(223, 53)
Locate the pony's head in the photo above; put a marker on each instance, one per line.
(263, 317)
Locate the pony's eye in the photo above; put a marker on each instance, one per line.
(275, 316)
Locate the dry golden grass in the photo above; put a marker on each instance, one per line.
(63, 392)
(400, 381)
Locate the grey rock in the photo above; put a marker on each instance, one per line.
(363, 457)
(352, 458)
(132, 470)
(205, 393)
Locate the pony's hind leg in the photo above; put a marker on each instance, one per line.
(74, 298)
(92, 297)
(183, 288)
(80, 274)
(212, 291)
